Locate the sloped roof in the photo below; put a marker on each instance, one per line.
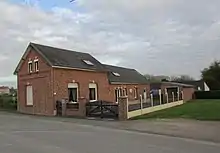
(171, 84)
(126, 75)
(196, 83)
(63, 58)
(67, 58)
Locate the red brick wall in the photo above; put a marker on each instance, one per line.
(64, 76)
(188, 93)
(41, 83)
(128, 87)
(49, 81)
(83, 78)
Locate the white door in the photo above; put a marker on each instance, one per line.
(29, 94)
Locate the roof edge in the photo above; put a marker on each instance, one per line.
(114, 83)
(71, 68)
(28, 49)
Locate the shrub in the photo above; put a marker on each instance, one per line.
(213, 94)
(8, 102)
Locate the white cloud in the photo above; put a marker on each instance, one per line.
(154, 36)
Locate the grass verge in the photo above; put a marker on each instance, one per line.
(197, 109)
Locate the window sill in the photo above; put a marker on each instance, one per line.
(92, 101)
(72, 102)
(29, 105)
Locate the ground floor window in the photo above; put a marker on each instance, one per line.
(120, 92)
(29, 95)
(93, 96)
(136, 93)
(73, 92)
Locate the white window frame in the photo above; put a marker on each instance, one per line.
(116, 74)
(30, 70)
(94, 86)
(74, 85)
(36, 61)
(124, 91)
(117, 93)
(135, 92)
(29, 95)
(88, 62)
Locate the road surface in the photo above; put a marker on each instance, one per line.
(28, 134)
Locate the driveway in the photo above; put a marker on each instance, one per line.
(29, 134)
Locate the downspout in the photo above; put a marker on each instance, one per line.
(54, 103)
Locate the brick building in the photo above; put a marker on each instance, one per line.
(169, 87)
(4, 90)
(46, 74)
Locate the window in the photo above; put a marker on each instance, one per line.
(120, 92)
(30, 68)
(92, 92)
(36, 65)
(116, 95)
(88, 62)
(116, 74)
(135, 92)
(29, 95)
(73, 92)
(124, 92)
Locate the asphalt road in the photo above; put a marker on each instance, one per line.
(27, 134)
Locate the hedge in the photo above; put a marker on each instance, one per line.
(213, 94)
(8, 102)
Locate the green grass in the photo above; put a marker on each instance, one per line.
(197, 109)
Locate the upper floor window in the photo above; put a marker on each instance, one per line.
(88, 62)
(116, 74)
(36, 65)
(30, 67)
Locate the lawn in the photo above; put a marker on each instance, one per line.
(197, 109)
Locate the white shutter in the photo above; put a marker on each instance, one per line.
(29, 92)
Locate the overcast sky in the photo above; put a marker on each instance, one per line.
(169, 37)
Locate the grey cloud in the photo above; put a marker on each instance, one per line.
(153, 36)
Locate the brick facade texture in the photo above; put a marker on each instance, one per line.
(41, 83)
(188, 94)
(51, 84)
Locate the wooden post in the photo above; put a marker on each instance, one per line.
(101, 106)
(141, 100)
(182, 96)
(152, 100)
(173, 96)
(167, 97)
(160, 96)
(178, 95)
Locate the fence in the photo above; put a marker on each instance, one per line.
(213, 94)
(154, 103)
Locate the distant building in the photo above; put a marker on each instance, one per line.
(199, 85)
(4, 90)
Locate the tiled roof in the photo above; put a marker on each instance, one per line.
(126, 75)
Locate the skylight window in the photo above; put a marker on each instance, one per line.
(88, 62)
(116, 74)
